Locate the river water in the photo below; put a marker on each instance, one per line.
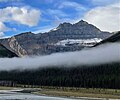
(24, 96)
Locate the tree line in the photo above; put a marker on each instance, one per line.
(94, 76)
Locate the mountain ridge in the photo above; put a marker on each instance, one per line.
(113, 38)
(29, 43)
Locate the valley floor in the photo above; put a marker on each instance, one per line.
(81, 92)
(71, 92)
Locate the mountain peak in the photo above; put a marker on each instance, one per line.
(24, 34)
(65, 24)
(82, 22)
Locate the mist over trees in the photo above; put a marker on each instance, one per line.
(91, 68)
(102, 54)
(95, 76)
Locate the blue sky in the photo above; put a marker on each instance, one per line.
(18, 16)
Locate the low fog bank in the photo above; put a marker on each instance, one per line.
(100, 55)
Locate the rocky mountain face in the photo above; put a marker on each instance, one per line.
(112, 39)
(46, 43)
(4, 52)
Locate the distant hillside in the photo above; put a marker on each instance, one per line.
(114, 38)
(4, 52)
(66, 37)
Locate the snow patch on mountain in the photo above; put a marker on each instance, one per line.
(83, 42)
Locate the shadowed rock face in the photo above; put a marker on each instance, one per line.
(4, 52)
(113, 38)
(44, 43)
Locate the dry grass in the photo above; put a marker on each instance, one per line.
(80, 92)
(5, 88)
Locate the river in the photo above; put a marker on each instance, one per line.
(16, 94)
(25, 96)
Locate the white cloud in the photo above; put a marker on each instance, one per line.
(8, 0)
(74, 5)
(22, 15)
(1, 34)
(106, 18)
(103, 2)
(43, 29)
(3, 28)
(27, 17)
